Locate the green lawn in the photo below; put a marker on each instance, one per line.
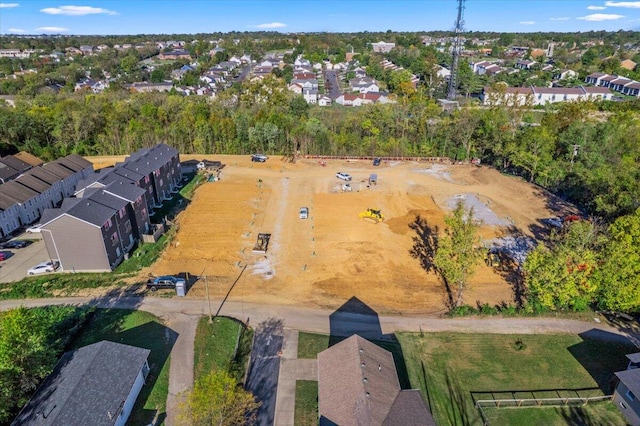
(142, 329)
(310, 344)
(454, 370)
(306, 413)
(215, 347)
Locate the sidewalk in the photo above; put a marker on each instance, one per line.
(291, 370)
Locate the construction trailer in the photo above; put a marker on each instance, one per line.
(262, 243)
(373, 179)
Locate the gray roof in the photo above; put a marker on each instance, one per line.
(32, 182)
(76, 159)
(7, 172)
(631, 379)
(124, 189)
(90, 211)
(148, 160)
(43, 175)
(634, 358)
(12, 193)
(58, 170)
(409, 409)
(86, 387)
(64, 161)
(99, 195)
(357, 383)
(15, 163)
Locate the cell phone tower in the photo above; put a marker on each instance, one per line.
(457, 49)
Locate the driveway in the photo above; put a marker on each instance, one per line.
(332, 86)
(264, 368)
(15, 267)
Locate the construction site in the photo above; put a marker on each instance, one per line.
(364, 239)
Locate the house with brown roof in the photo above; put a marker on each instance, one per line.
(358, 385)
(30, 159)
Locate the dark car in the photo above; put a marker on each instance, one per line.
(259, 158)
(376, 161)
(15, 244)
(166, 281)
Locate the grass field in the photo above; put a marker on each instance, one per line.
(215, 347)
(306, 413)
(455, 370)
(142, 329)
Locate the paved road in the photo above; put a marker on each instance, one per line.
(332, 84)
(264, 368)
(317, 320)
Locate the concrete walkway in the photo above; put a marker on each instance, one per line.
(181, 367)
(291, 370)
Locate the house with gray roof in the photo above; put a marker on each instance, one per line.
(627, 391)
(95, 385)
(358, 385)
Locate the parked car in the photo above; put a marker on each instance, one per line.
(304, 213)
(34, 229)
(15, 244)
(343, 176)
(43, 267)
(165, 281)
(2, 256)
(259, 158)
(376, 161)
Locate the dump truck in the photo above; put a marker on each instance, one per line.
(372, 215)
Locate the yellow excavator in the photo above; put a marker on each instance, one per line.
(372, 215)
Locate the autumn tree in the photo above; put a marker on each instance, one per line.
(458, 252)
(217, 399)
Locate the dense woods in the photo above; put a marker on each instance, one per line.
(584, 152)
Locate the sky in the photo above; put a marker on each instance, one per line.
(290, 16)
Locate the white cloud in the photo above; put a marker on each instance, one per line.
(601, 17)
(16, 30)
(77, 10)
(271, 25)
(596, 7)
(8, 5)
(527, 22)
(52, 29)
(629, 4)
(564, 18)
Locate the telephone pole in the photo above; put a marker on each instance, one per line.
(457, 49)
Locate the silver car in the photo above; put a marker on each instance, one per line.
(43, 267)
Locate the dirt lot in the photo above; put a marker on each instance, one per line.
(334, 255)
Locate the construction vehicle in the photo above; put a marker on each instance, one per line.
(262, 243)
(346, 187)
(492, 258)
(372, 215)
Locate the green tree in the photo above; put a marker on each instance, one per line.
(218, 400)
(458, 252)
(618, 276)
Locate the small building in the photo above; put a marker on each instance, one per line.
(627, 391)
(94, 385)
(382, 47)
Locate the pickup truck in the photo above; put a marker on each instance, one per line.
(165, 281)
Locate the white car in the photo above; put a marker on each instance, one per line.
(343, 176)
(34, 229)
(43, 267)
(304, 213)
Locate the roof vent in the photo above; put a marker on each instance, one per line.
(361, 350)
(365, 380)
(362, 365)
(379, 367)
(368, 394)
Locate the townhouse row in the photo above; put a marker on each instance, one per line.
(614, 82)
(104, 220)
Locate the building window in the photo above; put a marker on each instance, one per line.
(121, 213)
(107, 224)
(114, 238)
(630, 396)
(144, 213)
(127, 226)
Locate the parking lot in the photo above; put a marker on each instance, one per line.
(15, 267)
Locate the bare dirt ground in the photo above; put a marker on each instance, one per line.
(334, 255)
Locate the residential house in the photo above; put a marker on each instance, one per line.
(595, 78)
(87, 50)
(632, 89)
(519, 96)
(95, 385)
(382, 47)
(627, 391)
(174, 54)
(324, 100)
(525, 64)
(310, 95)
(358, 385)
(363, 85)
(96, 86)
(12, 162)
(180, 72)
(443, 72)
(7, 173)
(620, 84)
(565, 74)
(144, 87)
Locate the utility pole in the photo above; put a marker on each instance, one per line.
(457, 49)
